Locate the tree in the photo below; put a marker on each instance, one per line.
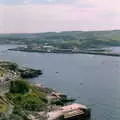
(19, 86)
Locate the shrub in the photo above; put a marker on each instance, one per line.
(19, 86)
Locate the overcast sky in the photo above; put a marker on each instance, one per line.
(23, 16)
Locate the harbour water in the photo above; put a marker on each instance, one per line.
(93, 80)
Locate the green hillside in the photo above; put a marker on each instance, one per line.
(82, 39)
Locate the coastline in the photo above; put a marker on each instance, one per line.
(36, 98)
(93, 52)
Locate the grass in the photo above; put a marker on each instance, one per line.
(2, 72)
(29, 100)
(3, 106)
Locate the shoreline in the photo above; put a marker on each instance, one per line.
(36, 98)
(66, 52)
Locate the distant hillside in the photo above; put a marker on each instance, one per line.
(82, 38)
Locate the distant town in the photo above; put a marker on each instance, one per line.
(74, 50)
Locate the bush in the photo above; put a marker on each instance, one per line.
(19, 86)
(9, 65)
(26, 96)
(30, 73)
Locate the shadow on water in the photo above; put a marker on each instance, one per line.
(78, 118)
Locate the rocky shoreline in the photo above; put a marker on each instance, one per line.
(24, 100)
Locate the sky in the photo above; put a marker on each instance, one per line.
(30, 16)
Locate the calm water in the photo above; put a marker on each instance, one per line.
(115, 49)
(92, 80)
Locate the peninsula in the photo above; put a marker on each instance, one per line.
(22, 100)
(51, 49)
